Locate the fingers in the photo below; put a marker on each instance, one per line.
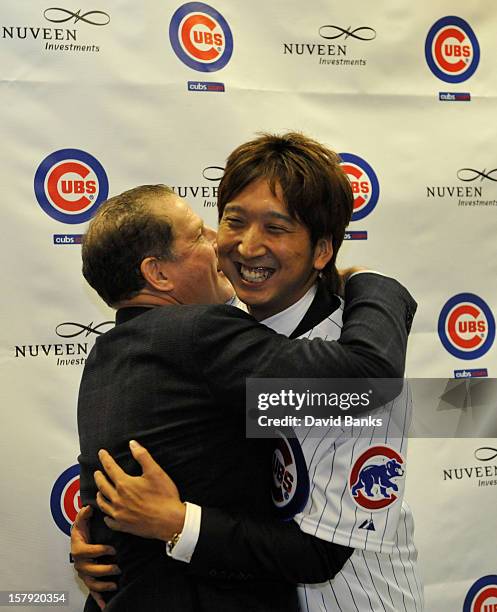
(95, 570)
(110, 466)
(113, 524)
(98, 599)
(104, 505)
(153, 470)
(83, 516)
(79, 529)
(93, 584)
(83, 551)
(144, 458)
(104, 486)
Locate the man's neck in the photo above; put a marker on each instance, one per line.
(146, 299)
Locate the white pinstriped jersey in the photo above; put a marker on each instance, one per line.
(352, 481)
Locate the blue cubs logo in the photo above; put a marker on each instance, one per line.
(451, 49)
(70, 185)
(466, 326)
(364, 182)
(482, 596)
(65, 501)
(201, 37)
(375, 476)
(290, 487)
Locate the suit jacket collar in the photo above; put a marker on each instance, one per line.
(123, 315)
(325, 302)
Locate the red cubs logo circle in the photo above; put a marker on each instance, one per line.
(364, 183)
(70, 185)
(201, 37)
(482, 596)
(452, 50)
(375, 478)
(466, 326)
(65, 501)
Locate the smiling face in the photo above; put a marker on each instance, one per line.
(267, 254)
(194, 271)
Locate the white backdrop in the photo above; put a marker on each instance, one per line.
(103, 78)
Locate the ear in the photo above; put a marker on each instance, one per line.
(155, 273)
(323, 252)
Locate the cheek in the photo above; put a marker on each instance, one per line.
(294, 254)
(225, 240)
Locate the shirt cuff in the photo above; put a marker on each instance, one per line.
(185, 546)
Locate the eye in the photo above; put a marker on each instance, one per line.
(277, 229)
(232, 221)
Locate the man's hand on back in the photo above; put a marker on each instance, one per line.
(85, 554)
(148, 505)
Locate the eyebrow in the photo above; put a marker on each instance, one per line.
(272, 213)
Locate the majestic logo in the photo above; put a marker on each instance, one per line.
(201, 37)
(290, 487)
(452, 50)
(365, 185)
(64, 499)
(466, 326)
(70, 185)
(368, 525)
(62, 15)
(482, 596)
(374, 478)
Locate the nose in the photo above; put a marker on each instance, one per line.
(250, 244)
(210, 234)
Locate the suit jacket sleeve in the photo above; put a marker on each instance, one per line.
(244, 548)
(377, 319)
(227, 347)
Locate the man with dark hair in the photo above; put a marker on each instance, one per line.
(306, 176)
(271, 254)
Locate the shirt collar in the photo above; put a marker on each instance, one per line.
(286, 321)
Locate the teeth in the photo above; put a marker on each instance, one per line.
(255, 275)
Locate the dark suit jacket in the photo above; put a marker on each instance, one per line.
(174, 379)
(242, 547)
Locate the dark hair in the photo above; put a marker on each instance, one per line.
(315, 189)
(125, 230)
